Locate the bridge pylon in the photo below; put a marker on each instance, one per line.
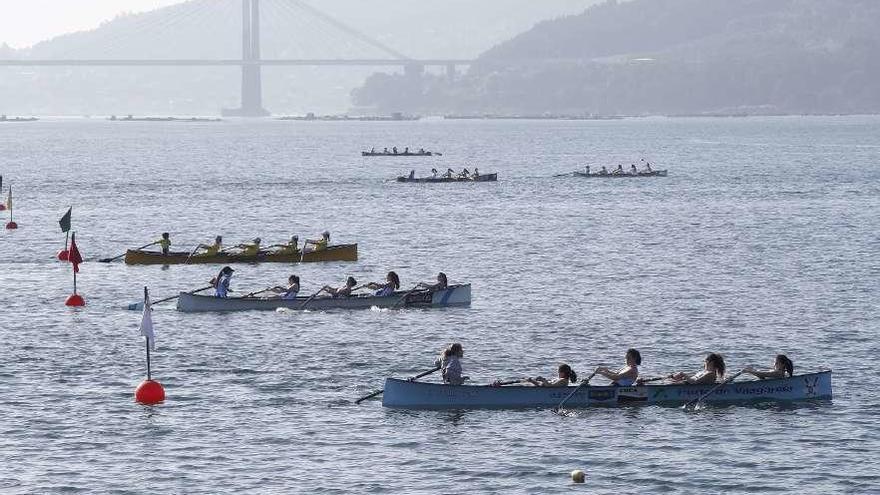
(251, 71)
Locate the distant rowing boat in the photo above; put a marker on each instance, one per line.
(419, 395)
(609, 175)
(382, 153)
(480, 178)
(342, 252)
(453, 295)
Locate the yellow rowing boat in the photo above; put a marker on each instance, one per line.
(342, 252)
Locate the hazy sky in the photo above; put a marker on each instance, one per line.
(25, 22)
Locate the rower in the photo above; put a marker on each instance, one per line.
(372, 150)
(433, 173)
(290, 247)
(164, 243)
(412, 174)
(394, 149)
(464, 174)
(441, 284)
(422, 151)
(249, 249)
(713, 370)
(781, 366)
(648, 167)
(319, 244)
(476, 174)
(344, 291)
(619, 170)
(288, 293)
(211, 249)
(604, 171)
(588, 170)
(565, 376)
(449, 173)
(633, 170)
(221, 282)
(626, 376)
(392, 283)
(449, 363)
(406, 150)
(385, 151)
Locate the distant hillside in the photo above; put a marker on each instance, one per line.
(211, 29)
(670, 57)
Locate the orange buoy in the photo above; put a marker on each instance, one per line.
(149, 392)
(75, 300)
(11, 226)
(63, 254)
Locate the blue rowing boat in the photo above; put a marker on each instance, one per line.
(419, 395)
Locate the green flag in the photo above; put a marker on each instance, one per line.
(65, 221)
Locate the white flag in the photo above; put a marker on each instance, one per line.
(147, 324)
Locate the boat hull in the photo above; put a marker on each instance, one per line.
(342, 252)
(419, 395)
(432, 180)
(454, 295)
(656, 173)
(379, 153)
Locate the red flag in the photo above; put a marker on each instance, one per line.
(74, 256)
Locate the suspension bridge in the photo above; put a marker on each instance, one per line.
(252, 19)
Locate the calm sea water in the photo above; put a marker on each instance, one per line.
(763, 239)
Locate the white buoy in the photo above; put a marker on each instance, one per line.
(578, 476)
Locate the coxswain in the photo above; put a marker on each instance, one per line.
(344, 291)
(290, 292)
(319, 244)
(392, 283)
(713, 371)
(564, 376)
(626, 376)
(221, 282)
(782, 366)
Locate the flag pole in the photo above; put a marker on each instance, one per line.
(147, 339)
(74, 282)
(66, 239)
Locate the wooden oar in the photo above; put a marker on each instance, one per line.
(258, 292)
(140, 305)
(507, 382)
(563, 175)
(403, 299)
(569, 396)
(420, 375)
(108, 260)
(307, 301)
(193, 252)
(654, 379)
(692, 404)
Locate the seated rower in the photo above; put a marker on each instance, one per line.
(392, 283)
(385, 151)
(221, 282)
(713, 371)
(633, 170)
(626, 376)
(588, 170)
(449, 363)
(412, 174)
(440, 285)
(344, 291)
(476, 173)
(565, 376)
(449, 173)
(319, 244)
(422, 151)
(464, 174)
(394, 150)
(406, 150)
(290, 247)
(433, 173)
(290, 292)
(619, 170)
(648, 167)
(249, 248)
(604, 171)
(211, 249)
(372, 150)
(164, 243)
(781, 366)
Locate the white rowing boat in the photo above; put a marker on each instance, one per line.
(453, 295)
(420, 395)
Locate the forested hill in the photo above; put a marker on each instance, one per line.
(674, 57)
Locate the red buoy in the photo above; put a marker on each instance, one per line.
(149, 392)
(63, 254)
(75, 300)
(2, 207)
(11, 226)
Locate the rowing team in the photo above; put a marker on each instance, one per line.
(290, 291)
(713, 371)
(394, 151)
(619, 170)
(450, 174)
(252, 248)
